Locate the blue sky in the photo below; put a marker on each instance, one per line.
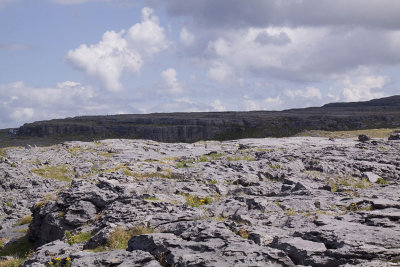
(62, 58)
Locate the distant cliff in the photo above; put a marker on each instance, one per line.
(189, 127)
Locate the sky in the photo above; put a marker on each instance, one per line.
(66, 58)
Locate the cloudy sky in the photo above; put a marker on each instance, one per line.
(62, 58)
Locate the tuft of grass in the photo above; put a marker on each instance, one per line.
(243, 233)
(120, 237)
(3, 153)
(78, 238)
(20, 248)
(11, 263)
(213, 182)
(195, 201)
(25, 220)
(151, 199)
(47, 198)
(204, 159)
(274, 166)
(216, 156)
(220, 218)
(60, 172)
(2, 241)
(364, 183)
(382, 181)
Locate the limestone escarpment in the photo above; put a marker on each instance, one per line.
(191, 127)
(253, 202)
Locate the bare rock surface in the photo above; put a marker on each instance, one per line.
(302, 201)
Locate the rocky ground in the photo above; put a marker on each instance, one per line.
(253, 202)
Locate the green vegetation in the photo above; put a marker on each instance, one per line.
(25, 220)
(47, 198)
(364, 183)
(195, 201)
(119, 238)
(151, 199)
(78, 238)
(20, 249)
(240, 157)
(274, 166)
(374, 133)
(11, 263)
(60, 172)
(3, 153)
(243, 233)
(382, 181)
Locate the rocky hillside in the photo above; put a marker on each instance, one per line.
(253, 202)
(190, 127)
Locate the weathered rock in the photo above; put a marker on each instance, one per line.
(275, 201)
(363, 138)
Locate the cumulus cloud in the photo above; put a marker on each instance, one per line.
(309, 92)
(21, 103)
(120, 51)
(363, 88)
(186, 37)
(300, 54)
(171, 81)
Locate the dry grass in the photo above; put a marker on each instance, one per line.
(120, 237)
(374, 133)
(25, 220)
(60, 172)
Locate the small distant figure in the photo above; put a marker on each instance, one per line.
(363, 138)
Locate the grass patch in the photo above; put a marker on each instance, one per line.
(364, 183)
(77, 238)
(11, 263)
(242, 157)
(3, 153)
(184, 164)
(243, 233)
(25, 220)
(20, 248)
(374, 133)
(60, 172)
(120, 237)
(47, 198)
(382, 181)
(274, 166)
(204, 159)
(151, 199)
(195, 201)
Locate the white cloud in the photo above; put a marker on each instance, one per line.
(363, 88)
(309, 92)
(220, 72)
(186, 37)
(119, 52)
(21, 103)
(171, 81)
(217, 105)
